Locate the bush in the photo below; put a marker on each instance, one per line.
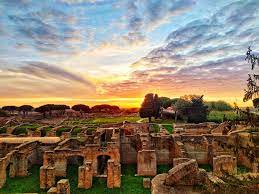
(219, 106)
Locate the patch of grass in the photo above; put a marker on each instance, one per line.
(2, 130)
(29, 184)
(130, 184)
(206, 167)
(155, 128)
(242, 169)
(163, 168)
(76, 131)
(218, 116)
(169, 128)
(103, 120)
(61, 130)
(163, 121)
(23, 129)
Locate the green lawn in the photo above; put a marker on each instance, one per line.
(103, 120)
(169, 128)
(131, 184)
(30, 184)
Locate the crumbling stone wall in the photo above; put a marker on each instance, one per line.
(18, 161)
(85, 175)
(114, 174)
(224, 164)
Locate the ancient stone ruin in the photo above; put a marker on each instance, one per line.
(100, 153)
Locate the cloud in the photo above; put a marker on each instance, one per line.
(204, 56)
(151, 14)
(46, 71)
(46, 29)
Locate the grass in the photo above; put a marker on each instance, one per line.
(155, 128)
(103, 120)
(76, 131)
(2, 130)
(206, 167)
(163, 168)
(130, 184)
(61, 130)
(30, 184)
(242, 170)
(23, 129)
(169, 128)
(163, 121)
(218, 116)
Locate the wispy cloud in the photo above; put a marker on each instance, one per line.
(204, 56)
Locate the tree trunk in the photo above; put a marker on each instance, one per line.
(175, 117)
(149, 119)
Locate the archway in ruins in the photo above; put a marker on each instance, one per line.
(102, 161)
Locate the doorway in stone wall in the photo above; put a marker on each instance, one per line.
(102, 163)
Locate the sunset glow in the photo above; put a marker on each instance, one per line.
(114, 52)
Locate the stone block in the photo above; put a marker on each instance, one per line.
(146, 183)
(52, 190)
(146, 163)
(63, 186)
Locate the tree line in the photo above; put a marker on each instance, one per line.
(191, 108)
(48, 109)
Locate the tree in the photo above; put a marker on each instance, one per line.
(252, 90)
(81, 108)
(10, 109)
(25, 109)
(192, 108)
(150, 107)
(165, 102)
(219, 105)
(61, 108)
(105, 108)
(44, 109)
(156, 107)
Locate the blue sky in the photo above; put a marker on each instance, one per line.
(96, 51)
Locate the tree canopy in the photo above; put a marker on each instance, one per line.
(219, 105)
(192, 108)
(252, 86)
(10, 108)
(81, 108)
(105, 108)
(25, 109)
(48, 108)
(150, 107)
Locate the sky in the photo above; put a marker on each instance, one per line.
(114, 52)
